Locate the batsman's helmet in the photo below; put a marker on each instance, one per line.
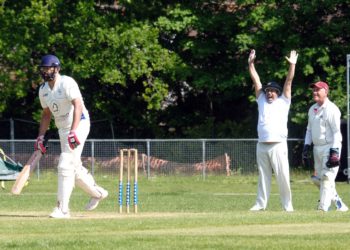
(49, 61)
(273, 85)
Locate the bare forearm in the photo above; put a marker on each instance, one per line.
(78, 110)
(287, 89)
(290, 74)
(292, 59)
(253, 73)
(45, 122)
(255, 78)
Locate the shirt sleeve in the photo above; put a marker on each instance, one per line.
(334, 122)
(41, 96)
(287, 100)
(308, 135)
(72, 89)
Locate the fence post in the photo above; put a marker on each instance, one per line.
(148, 158)
(348, 116)
(203, 159)
(12, 136)
(92, 157)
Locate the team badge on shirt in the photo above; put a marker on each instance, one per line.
(54, 107)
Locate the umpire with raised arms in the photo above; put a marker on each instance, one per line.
(272, 151)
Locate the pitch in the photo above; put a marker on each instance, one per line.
(174, 213)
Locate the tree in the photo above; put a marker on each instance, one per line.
(173, 68)
(108, 56)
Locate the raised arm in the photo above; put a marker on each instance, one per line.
(253, 74)
(287, 88)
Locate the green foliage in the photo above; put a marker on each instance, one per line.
(179, 63)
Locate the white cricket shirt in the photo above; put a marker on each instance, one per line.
(273, 118)
(59, 100)
(324, 125)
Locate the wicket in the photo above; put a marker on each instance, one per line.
(131, 161)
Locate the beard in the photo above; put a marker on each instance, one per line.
(48, 77)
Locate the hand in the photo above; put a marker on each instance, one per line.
(73, 140)
(333, 159)
(306, 155)
(251, 57)
(292, 59)
(40, 144)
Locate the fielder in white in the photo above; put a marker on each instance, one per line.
(272, 151)
(323, 131)
(60, 97)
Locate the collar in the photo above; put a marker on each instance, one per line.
(317, 107)
(324, 105)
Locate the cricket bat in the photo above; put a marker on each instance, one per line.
(23, 176)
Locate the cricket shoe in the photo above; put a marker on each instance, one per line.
(321, 208)
(341, 207)
(289, 209)
(93, 203)
(58, 214)
(257, 208)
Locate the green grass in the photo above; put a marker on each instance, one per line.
(174, 213)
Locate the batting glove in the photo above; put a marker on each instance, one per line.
(334, 159)
(39, 144)
(73, 140)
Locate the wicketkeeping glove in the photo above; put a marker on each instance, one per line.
(40, 144)
(333, 159)
(306, 156)
(73, 140)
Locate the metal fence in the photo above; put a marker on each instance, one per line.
(159, 157)
(15, 129)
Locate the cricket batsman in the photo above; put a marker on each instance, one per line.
(61, 98)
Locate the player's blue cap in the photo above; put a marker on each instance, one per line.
(273, 85)
(49, 61)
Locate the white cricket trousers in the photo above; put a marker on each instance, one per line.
(327, 176)
(273, 157)
(70, 163)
